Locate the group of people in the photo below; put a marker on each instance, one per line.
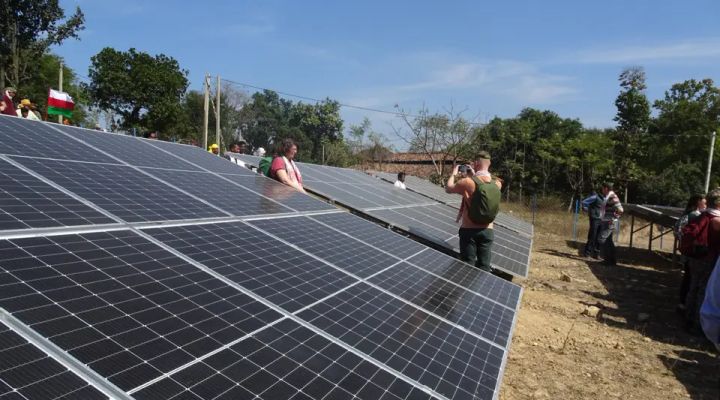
(700, 286)
(603, 210)
(25, 109)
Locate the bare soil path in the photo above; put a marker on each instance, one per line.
(636, 346)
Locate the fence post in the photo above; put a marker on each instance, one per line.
(534, 207)
(576, 215)
(632, 229)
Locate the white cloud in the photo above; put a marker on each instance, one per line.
(519, 81)
(690, 49)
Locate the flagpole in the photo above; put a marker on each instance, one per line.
(60, 84)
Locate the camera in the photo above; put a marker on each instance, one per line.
(463, 169)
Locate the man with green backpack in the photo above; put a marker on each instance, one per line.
(480, 204)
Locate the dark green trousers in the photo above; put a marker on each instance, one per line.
(475, 245)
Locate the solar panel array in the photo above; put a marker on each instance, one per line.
(132, 268)
(415, 213)
(435, 192)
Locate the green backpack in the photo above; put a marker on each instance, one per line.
(484, 202)
(264, 165)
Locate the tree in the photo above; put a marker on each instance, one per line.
(27, 30)
(190, 125)
(144, 90)
(633, 118)
(680, 138)
(439, 136)
(45, 76)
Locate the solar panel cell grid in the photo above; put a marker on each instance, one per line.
(27, 202)
(373, 234)
(201, 158)
(121, 190)
(344, 252)
(468, 277)
(220, 193)
(284, 361)
(289, 197)
(480, 315)
(129, 149)
(29, 138)
(434, 353)
(277, 272)
(26, 372)
(125, 307)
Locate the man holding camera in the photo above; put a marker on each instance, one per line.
(480, 204)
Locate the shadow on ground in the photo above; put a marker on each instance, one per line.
(642, 295)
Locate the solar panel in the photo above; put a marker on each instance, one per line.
(131, 150)
(27, 202)
(415, 214)
(126, 308)
(347, 253)
(422, 347)
(279, 273)
(198, 286)
(284, 361)
(436, 192)
(470, 278)
(122, 191)
(26, 372)
(215, 190)
(372, 234)
(510, 251)
(24, 137)
(287, 196)
(200, 158)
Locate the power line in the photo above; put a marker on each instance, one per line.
(307, 98)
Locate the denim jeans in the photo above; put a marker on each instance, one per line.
(592, 247)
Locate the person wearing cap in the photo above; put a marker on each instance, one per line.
(475, 239)
(214, 148)
(7, 106)
(25, 104)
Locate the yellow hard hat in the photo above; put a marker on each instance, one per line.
(213, 146)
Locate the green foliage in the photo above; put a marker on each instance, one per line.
(144, 90)
(27, 30)
(268, 118)
(633, 118)
(46, 76)
(672, 186)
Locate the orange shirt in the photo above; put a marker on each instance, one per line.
(466, 187)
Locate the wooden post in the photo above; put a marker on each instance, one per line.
(651, 235)
(206, 107)
(60, 88)
(217, 116)
(632, 229)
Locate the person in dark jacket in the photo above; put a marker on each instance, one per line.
(593, 208)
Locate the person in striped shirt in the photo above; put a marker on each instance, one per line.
(610, 211)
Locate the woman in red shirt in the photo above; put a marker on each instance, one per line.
(284, 169)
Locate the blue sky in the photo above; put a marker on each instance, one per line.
(491, 58)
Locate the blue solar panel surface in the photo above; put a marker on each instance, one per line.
(170, 273)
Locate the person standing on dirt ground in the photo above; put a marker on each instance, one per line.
(476, 230)
(593, 206)
(694, 208)
(702, 267)
(611, 210)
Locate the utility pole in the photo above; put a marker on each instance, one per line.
(206, 106)
(217, 115)
(709, 164)
(60, 88)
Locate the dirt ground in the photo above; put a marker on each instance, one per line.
(635, 348)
